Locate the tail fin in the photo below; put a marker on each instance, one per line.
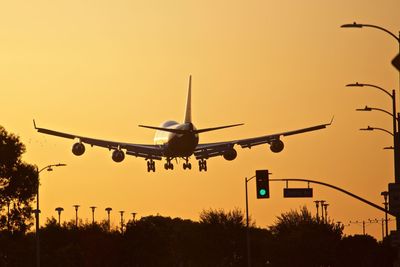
(188, 114)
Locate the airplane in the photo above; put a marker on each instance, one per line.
(175, 140)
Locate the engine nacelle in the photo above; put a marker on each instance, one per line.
(230, 154)
(276, 146)
(118, 155)
(78, 149)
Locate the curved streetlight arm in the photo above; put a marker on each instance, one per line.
(358, 25)
(369, 128)
(49, 166)
(379, 109)
(370, 85)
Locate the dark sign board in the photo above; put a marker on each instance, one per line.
(394, 198)
(396, 62)
(297, 192)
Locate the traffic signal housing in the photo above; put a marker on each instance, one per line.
(262, 183)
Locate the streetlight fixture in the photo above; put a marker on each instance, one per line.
(133, 216)
(59, 210)
(37, 211)
(76, 214)
(369, 128)
(122, 221)
(108, 209)
(93, 209)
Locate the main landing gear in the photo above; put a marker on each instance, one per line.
(168, 165)
(151, 166)
(187, 164)
(202, 165)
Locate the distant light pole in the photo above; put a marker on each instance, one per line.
(108, 209)
(122, 221)
(59, 210)
(317, 206)
(93, 209)
(325, 206)
(322, 209)
(37, 211)
(76, 214)
(133, 216)
(385, 197)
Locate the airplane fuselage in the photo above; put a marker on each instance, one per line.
(176, 144)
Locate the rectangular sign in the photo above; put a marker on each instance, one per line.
(297, 192)
(394, 198)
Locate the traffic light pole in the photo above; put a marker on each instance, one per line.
(247, 223)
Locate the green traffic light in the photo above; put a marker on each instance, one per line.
(263, 192)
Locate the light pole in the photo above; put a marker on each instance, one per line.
(395, 132)
(385, 197)
(37, 211)
(76, 214)
(122, 221)
(246, 180)
(325, 207)
(93, 209)
(133, 216)
(59, 210)
(108, 209)
(322, 209)
(317, 206)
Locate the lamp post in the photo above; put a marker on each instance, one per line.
(317, 206)
(385, 197)
(93, 209)
(246, 180)
(133, 216)
(122, 221)
(37, 211)
(325, 207)
(76, 214)
(59, 210)
(108, 209)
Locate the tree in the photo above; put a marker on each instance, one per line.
(18, 185)
(308, 241)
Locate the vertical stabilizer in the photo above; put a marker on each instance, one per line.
(188, 114)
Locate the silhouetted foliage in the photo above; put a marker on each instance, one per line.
(18, 183)
(218, 239)
(308, 241)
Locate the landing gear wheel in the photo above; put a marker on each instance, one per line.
(151, 166)
(202, 165)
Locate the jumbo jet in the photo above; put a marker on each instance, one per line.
(175, 140)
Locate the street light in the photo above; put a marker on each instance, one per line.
(122, 221)
(395, 121)
(359, 25)
(369, 128)
(59, 210)
(93, 209)
(108, 209)
(385, 195)
(37, 211)
(76, 214)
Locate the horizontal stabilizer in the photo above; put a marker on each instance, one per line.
(217, 128)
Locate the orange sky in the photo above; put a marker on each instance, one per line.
(100, 68)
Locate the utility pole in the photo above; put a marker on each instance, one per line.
(385, 195)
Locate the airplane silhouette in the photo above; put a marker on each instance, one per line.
(179, 140)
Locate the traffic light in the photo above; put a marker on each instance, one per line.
(262, 183)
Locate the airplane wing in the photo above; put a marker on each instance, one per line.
(205, 151)
(137, 150)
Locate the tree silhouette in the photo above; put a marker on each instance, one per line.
(18, 184)
(302, 240)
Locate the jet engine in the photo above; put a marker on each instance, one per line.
(277, 146)
(78, 149)
(230, 154)
(118, 155)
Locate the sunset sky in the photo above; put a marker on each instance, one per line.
(100, 68)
